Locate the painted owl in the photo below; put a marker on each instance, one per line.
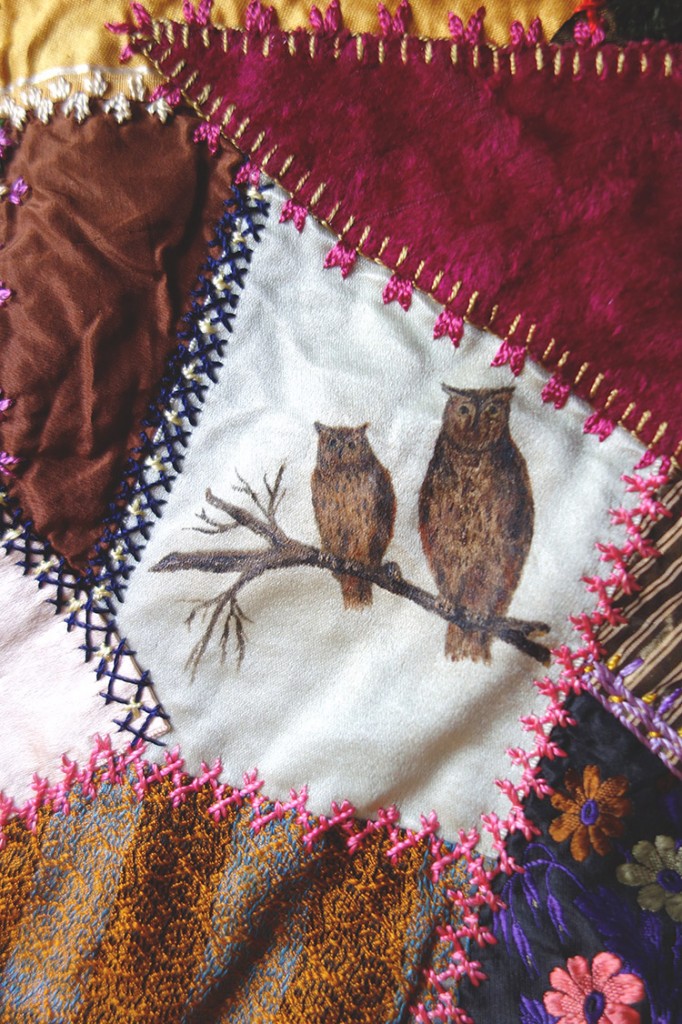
(354, 504)
(476, 512)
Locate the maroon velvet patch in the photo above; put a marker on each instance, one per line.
(529, 186)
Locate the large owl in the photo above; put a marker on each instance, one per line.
(476, 512)
(354, 504)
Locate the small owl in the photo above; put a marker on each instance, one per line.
(354, 504)
(476, 512)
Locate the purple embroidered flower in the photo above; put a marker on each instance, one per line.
(5, 293)
(5, 404)
(658, 873)
(5, 142)
(17, 191)
(8, 463)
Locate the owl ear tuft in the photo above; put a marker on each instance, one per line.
(449, 390)
(319, 427)
(363, 427)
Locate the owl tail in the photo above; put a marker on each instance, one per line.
(357, 593)
(461, 644)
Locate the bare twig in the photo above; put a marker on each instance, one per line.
(283, 552)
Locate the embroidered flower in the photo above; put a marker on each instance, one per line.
(5, 142)
(18, 191)
(592, 812)
(658, 872)
(593, 994)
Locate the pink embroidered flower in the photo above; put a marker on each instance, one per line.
(17, 191)
(593, 994)
(5, 293)
(298, 214)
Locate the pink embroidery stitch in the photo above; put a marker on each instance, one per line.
(557, 391)
(472, 33)
(248, 174)
(521, 39)
(209, 133)
(398, 289)
(330, 24)
(510, 353)
(450, 325)
(202, 14)
(396, 25)
(5, 294)
(599, 425)
(259, 19)
(343, 256)
(297, 214)
(171, 94)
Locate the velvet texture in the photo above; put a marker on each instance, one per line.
(540, 203)
(101, 259)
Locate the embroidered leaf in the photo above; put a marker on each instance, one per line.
(531, 1011)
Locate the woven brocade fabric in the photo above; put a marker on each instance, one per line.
(340, 442)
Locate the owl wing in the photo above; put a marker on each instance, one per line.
(384, 514)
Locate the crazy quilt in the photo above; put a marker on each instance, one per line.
(340, 427)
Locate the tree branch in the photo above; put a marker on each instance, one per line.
(283, 552)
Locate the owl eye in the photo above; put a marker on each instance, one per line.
(493, 410)
(464, 409)
(351, 444)
(332, 443)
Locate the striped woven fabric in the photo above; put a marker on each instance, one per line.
(654, 612)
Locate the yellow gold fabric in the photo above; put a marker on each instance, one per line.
(45, 34)
(126, 911)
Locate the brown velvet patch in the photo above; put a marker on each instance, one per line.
(101, 259)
